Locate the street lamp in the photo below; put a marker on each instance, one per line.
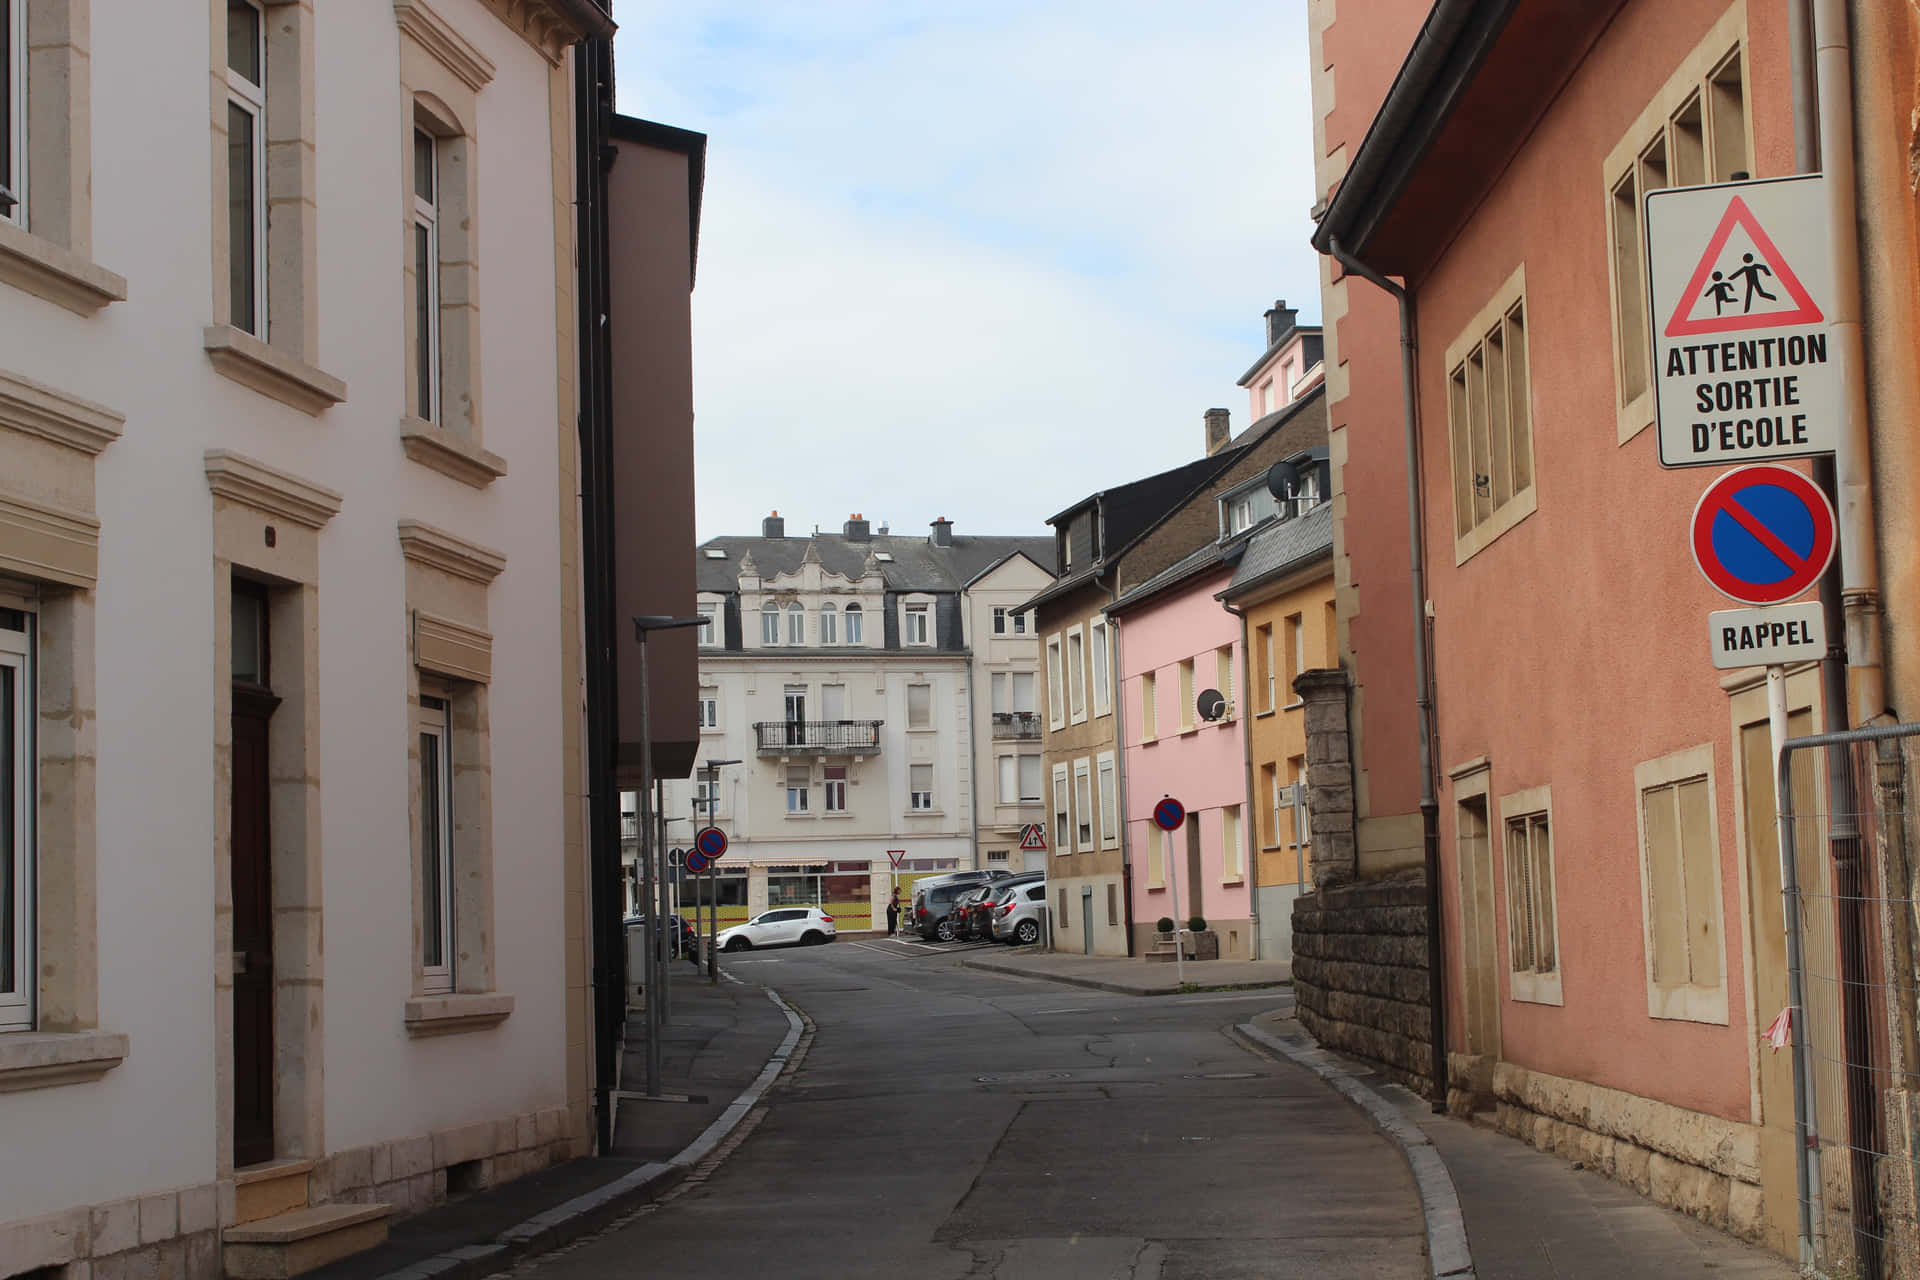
(712, 768)
(643, 626)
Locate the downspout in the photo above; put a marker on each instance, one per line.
(1423, 692)
(973, 754)
(1114, 685)
(1253, 804)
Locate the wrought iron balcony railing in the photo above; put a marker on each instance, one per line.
(1016, 725)
(821, 737)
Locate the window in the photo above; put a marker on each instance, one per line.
(1113, 904)
(1060, 920)
(797, 779)
(769, 623)
(1156, 857)
(1082, 806)
(918, 625)
(1296, 639)
(1232, 862)
(1533, 959)
(998, 857)
(920, 785)
(1029, 778)
(247, 167)
(1019, 624)
(794, 696)
(436, 848)
(796, 624)
(1001, 683)
(18, 789)
(853, 618)
(1023, 693)
(709, 708)
(1009, 767)
(1266, 396)
(709, 628)
(706, 801)
(1489, 415)
(1102, 669)
(833, 702)
(1680, 888)
(426, 276)
(999, 620)
(1270, 792)
(919, 706)
(836, 779)
(1062, 812)
(1148, 710)
(829, 625)
(1238, 514)
(1109, 802)
(1223, 677)
(1263, 677)
(13, 111)
(1056, 697)
(1076, 676)
(1186, 695)
(1693, 132)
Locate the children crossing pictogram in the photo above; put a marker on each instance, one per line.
(1721, 296)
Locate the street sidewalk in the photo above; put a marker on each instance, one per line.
(724, 1045)
(1129, 975)
(1527, 1215)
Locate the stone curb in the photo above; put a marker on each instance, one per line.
(584, 1214)
(1118, 988)
(1447, 1247)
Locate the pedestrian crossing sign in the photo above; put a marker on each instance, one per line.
(1033, 836)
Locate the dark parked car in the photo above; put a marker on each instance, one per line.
(951, 879)
(970, 913)
(685, 940)
(933, 910)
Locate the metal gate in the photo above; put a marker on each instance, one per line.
(1848, 893)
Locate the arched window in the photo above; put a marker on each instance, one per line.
(769, 623)
(829, 631)
(853, 624)
(796, 624)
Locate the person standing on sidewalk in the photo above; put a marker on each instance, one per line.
(893, 913)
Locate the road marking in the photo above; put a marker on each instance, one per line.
(1268, 994)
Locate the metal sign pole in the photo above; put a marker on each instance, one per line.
(1806, 1145)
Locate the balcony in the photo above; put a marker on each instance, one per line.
(1016, 726)
(818, 737)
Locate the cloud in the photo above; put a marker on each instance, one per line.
(975, 261)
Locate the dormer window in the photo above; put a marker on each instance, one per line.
(919, 628)
(769, 623)
(709, 629)
(1239, 514)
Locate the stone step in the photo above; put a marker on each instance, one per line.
(262, 1190)
(292, 1244)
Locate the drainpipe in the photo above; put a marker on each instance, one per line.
(1423, 695)
(1114, 685)
(973, 753)
(1252, 804)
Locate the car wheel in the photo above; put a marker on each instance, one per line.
(1027, 932)
(812, 938)
(944, 931)
(738, 944)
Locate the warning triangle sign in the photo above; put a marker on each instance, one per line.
(1739, 281)
(1033, 836)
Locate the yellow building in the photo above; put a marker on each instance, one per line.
(1283, 591)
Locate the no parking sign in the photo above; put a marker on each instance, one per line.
(1763, 534)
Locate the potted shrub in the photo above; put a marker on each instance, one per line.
(1202, 942)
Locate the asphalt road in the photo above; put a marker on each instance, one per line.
(949, 1123)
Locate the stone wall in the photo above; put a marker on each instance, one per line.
(1360, 972)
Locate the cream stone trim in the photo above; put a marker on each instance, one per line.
(37, 409)
(38, 1060)
(547, 25)
(52, 544)
(269, 490)
(271, 371)
(424, 544)
(448, 648)
(59, 275)
(453, 1014)
(438, 449)
(1526, 501)
(437, 36)
(1531, 987)
(1685, 1001)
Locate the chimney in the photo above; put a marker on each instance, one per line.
(1218, 432)
(857, 529)
(773, 526)
(1280, 320)
(942, 535)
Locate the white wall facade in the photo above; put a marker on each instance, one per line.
(1005, 648)
(156, 1121)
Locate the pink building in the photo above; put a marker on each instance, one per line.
(1176, 644)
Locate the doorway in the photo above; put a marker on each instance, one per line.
(251, 846)
(1196, 901)
(1479, 938)
(1086, 919)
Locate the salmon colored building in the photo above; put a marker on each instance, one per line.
(1601, 796)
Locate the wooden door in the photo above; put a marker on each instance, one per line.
(252, 873)
(1196, 882)
(1479, 924)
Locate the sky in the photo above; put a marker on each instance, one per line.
(972, 258)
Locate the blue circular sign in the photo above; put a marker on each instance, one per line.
(1169, 814)
(711, 841)
(698, 861)
(1763, 534)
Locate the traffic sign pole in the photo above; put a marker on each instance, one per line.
(1168, 815)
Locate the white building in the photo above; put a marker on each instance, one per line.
(289, 699)
(852, 675)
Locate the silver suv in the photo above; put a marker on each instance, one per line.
(1020, 915)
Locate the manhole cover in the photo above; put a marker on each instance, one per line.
(1022, 1077)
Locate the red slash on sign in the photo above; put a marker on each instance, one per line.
(1763, 534)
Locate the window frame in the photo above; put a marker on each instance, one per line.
(796, 625)
(1532, 985)
(1099, 653)
(1687, 1001)
(829, 624)
(1056, 673)
(834, 790)
(1006, 766)
(14, 173)
(926, 724)
(1084, 818)
(1233, 850)
(1495, 318)
(852, 619)
(922, 801)
(916, 623)
(1062, 814)
(705, 634)
(1106, 771)
(250, 97)
(433, 723)
(1189, 717)
(770, 625)
(18, 651)
(1076, 670)
(708, 707)
(1149, 708)
(999, 620)
(1038, 765)
(1265, 677)
(427, 388)
(797, 798)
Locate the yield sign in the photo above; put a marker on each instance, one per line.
(1763, 534)
(1729, 293)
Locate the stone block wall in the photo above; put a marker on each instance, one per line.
(1360, 972)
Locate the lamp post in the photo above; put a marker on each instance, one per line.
(643, 626)
(712, 768)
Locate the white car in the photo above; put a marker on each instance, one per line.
(780, 927)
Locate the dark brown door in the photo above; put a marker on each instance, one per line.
(252, 930)
(1196, 883)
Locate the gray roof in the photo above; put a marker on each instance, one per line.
(917, 564)
(1281, 546)
(1205, 558)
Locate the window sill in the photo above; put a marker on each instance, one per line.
(1187, 731)
(1232, 882)
(840, 814)
(438, 449)
(712, 728)
(453, 1014)
(1535, 988)
(1487, 532)
(922, 728)
(48, 1059)
(270, 371)
(793, 816)
(926, 813)
(49, 271)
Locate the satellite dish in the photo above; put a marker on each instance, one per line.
(1282, 479)
(1211, 705)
